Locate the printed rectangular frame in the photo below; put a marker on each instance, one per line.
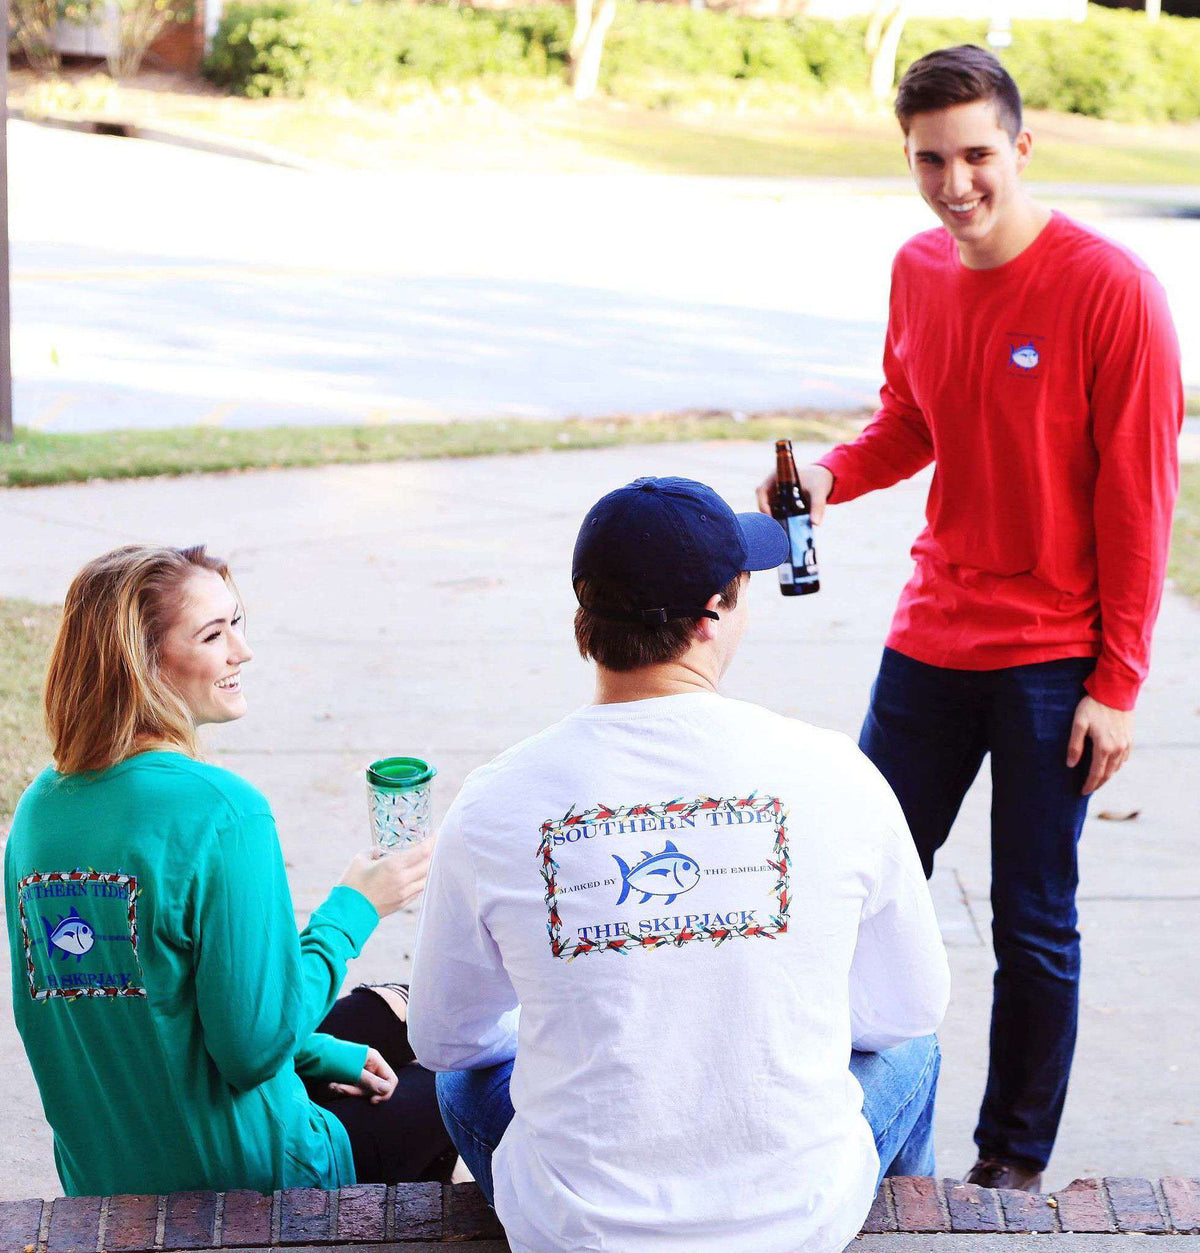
(77, 876)
(676, 808)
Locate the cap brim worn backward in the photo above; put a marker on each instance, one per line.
(766, 541)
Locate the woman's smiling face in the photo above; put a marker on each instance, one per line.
(205, 648)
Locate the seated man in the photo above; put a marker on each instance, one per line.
(695, 908)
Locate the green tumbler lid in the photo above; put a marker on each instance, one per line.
(399, 774)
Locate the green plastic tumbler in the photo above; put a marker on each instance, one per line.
(398, 791)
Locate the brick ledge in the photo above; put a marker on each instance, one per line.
(369, 1218)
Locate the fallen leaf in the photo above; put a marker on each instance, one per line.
(1118, 815)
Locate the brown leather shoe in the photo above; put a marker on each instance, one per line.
(990, 1172)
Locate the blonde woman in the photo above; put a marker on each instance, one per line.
(169, 1009)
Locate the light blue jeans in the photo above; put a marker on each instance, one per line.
(899, 1086)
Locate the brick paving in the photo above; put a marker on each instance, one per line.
(368, 1218)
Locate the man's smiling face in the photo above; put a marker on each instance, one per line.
(967, 168)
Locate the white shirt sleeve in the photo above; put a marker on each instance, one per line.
(899, 977)
(462, 1010)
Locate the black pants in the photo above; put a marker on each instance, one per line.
(403, 1139)
(928, 730)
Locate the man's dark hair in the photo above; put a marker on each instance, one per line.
(958, 75)
(630, 645)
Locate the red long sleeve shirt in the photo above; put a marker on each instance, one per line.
(1048, 393)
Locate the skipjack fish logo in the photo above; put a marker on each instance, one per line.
(669, 873)
(72, 936)
(1024, 356)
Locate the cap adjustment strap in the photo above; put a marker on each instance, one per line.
(652, 617)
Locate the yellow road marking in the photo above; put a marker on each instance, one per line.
(217, 415)
(43, 419)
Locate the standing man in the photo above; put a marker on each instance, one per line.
(1035, 363)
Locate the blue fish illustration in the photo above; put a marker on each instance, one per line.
(1025, 357)
(659, 874)
(72, 936)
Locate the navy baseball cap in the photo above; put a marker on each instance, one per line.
(668, 546)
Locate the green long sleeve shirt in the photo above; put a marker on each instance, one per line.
(164, 998)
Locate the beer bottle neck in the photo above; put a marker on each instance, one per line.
(785, 468)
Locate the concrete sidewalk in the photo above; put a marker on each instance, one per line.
(426, 608)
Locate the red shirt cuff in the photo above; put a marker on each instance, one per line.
(834, 463)
(1112, 689)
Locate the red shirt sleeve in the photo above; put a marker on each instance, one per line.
(898, 442)
(1137, 408)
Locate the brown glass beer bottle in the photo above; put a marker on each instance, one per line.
(798, 576)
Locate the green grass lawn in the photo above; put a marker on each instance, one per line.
(1185, 543)
(35, 459)
(26, 634)
(1065, 149)
(696, 127)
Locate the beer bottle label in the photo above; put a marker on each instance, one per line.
(802, 564)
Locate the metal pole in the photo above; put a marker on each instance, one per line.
(1153, 9)
(6, 424)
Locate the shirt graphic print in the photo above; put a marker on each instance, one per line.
(79, 930)
(672, 873)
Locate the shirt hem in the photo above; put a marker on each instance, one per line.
(1006, 658)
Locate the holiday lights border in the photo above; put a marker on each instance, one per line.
(78, 876)
(780, 862)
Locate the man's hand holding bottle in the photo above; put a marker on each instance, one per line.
(816, 483)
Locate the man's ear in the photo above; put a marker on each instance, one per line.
(1024, 146)
(706, 628)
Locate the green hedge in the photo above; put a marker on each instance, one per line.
(1114, 65)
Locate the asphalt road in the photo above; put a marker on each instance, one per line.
(157, 286)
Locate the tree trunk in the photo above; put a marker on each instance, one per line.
(879, 15)
(883, 63)
(139, 24)
(1153, 9)
(583, 24)
(35, 34)
(585, 68)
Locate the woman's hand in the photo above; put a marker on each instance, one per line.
(377, 1081)
(390, 881)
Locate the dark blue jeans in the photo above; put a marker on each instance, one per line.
(899, 1088)
(927, 730)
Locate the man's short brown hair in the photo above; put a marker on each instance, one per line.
(630, 645)
(959, 75)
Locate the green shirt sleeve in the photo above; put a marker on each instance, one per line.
(261, 989)
(328, 1058)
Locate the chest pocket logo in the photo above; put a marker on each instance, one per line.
(1026, 354)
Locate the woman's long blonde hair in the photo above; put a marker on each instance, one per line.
(105, 696)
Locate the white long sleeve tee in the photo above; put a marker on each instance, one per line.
(678, 915)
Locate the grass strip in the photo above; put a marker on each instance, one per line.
(36, 459)
(666, 142)
(26, 636)
(1185, 541)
